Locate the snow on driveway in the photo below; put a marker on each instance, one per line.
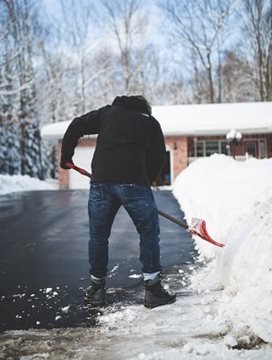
(226, 312)
(184, 330)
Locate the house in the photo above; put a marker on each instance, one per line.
(191, 131)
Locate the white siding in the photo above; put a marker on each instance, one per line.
(82, 158)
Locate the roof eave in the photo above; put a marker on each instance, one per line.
(219, 132)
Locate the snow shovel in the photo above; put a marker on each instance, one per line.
(198, 226)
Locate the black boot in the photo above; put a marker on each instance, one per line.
(95, 294)
(156, 295)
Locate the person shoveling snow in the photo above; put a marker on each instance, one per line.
(129, 155)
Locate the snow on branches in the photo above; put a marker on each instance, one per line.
(20, 146)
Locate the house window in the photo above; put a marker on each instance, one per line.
(262, 149)
(212, 147)
(224, 147)
(209, 147)
(200, 150)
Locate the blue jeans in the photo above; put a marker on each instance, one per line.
(104, 201)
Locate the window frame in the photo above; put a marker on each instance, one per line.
(204, 147)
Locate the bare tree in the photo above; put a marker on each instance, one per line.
(76, 31)
(236, 74)
(128, 24)
(19, 19)
(198, 25)
(74, 62)
(256, 23)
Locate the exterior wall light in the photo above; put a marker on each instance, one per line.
(233, 138)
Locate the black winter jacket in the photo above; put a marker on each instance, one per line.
(130, 145)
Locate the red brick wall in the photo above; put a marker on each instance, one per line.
(179, 151)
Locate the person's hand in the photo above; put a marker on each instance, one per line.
(63, 164)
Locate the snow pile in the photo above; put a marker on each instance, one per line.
(9, 184)
(235, 199)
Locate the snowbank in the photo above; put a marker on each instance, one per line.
(9, 184)
(235, 199)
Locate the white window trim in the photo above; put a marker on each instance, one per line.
(204, 146)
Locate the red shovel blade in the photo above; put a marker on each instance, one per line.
(199, 228)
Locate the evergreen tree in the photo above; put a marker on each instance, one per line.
(13, 157)
(31, 153)
(3, 147)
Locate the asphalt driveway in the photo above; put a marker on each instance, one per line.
(44, 264)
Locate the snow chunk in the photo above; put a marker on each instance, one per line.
(135, 276)
(230, 340)
(65, 309)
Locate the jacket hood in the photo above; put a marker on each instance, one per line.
(137, 102)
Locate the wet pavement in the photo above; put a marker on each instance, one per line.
(44, 264)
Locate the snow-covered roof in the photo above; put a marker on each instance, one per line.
(197, 120)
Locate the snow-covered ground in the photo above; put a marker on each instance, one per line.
(225, 313)
(10, 184)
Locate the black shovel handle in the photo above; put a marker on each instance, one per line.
(174, 220)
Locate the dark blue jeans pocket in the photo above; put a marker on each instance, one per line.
(134, 191)
(135, 196)
(96, 193)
